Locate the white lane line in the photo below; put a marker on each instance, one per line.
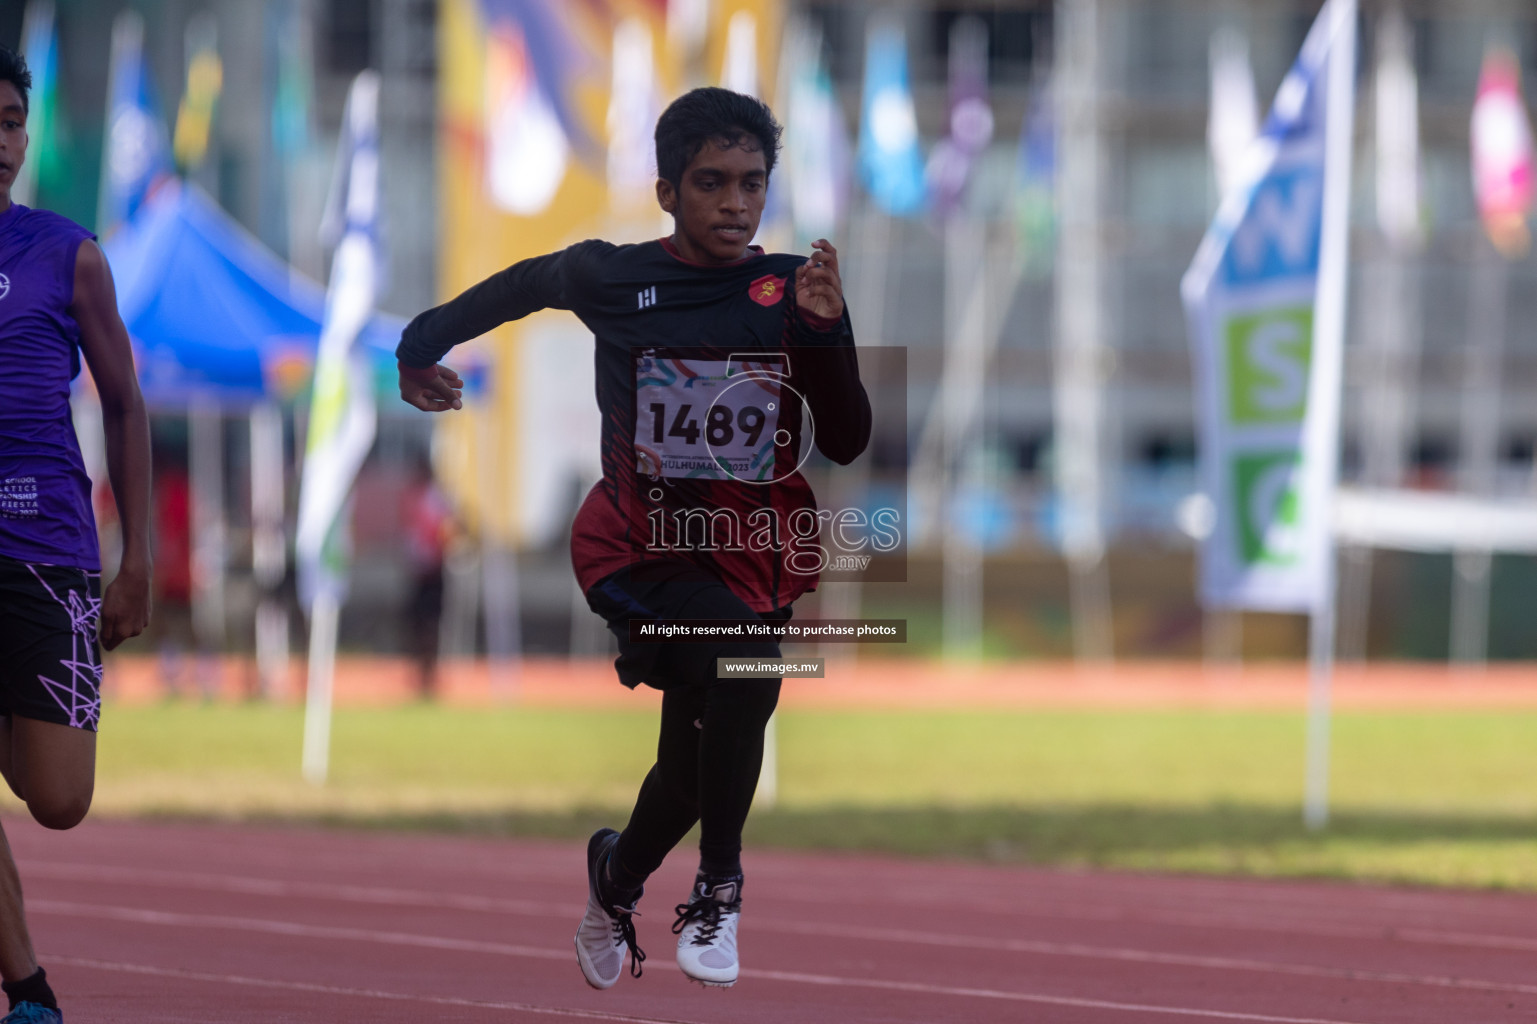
(250, 886)
(1073, 949)
(1153, 900)
(390, 896)
(338, 990)
(256, 924)
(166, 918)
(406, 897)
(822, 980)
(1027, 997)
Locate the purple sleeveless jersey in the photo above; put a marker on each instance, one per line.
(45, 494)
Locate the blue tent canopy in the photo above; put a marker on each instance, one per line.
(213, 313)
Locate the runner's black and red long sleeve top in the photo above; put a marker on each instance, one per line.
(708, 380)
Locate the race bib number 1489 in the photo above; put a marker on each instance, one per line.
(704, 419)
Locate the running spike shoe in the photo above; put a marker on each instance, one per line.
(706, 930)
(607, 928)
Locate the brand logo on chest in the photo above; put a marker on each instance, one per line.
(5, 286)
(767, 290)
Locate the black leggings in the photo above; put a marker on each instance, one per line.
(710, 749)
(707, 763)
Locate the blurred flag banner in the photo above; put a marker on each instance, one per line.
(1233, 120)
(1502, 153)
(1264, 300)
(890, 162)
(526, 146)
(342, 415)
(137, 154)
(1400, 212)
(633, 107)
(1035, 191)
(41, 49)
(816, 152)
(953, 158)
(200, 99)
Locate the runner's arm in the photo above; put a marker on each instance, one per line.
(543, 282)
(104, 341)
(840, 408)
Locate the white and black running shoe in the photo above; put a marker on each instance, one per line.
(606, 930)
(706, 930)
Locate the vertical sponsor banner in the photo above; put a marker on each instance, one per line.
(1264, 299)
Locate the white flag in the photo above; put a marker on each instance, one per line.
(1232, 122)
(1265, 302)
(342, 415)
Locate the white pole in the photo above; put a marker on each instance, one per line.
(1315, 805)
(1082, 355)
(768, 778)
(268, 548)
(317, 701)
(1324, 404)
(959, 409)
(1479, 449)
(498, 575)
(206, 469)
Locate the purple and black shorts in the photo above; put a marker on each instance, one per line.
(50, 660)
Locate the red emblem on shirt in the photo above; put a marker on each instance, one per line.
(767, 290)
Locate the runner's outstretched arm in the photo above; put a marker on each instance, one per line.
(104, 340)
(511, 294)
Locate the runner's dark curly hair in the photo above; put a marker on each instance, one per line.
(712, 114)
(13, 69)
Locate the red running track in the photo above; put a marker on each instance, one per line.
(174, 923)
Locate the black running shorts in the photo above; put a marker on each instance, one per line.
(674, 590)
(50, 661)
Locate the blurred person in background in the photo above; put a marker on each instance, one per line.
(705, 290)
(430, 528)
(57, 303)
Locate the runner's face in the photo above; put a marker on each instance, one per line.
(718, 203)
(13, 139)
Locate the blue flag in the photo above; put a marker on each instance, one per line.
(889, 158)
(137, 152)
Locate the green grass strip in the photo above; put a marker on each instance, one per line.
(1441, 799)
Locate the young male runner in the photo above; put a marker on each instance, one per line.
(56, 303)
(714, 363)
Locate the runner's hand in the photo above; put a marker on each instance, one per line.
(430, 388)
(125, 606)
(818, 288)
